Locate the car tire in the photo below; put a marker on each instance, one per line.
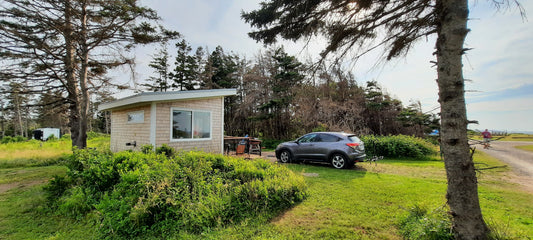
(285, 156)
(339, 161)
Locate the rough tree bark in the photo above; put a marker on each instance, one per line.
(462, 193)
(81, 141)
(70, 76)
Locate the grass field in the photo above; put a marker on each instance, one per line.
(510, 137)
(518, 137)
(366, 202)
(526, 147)
(37, 153)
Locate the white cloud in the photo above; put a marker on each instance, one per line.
(508, 105)
(501, 57)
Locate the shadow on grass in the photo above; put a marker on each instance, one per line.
(325, 170)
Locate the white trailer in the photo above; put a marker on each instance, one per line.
(45, 133)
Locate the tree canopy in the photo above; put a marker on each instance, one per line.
(69, 45)
(360, 26)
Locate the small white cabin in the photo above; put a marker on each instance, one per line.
(183, 120)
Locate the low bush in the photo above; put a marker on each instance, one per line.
(397, 146)
(165, 149)
(147, 148)
(148, 194)
(420, 224)
(271, 143)
(9, 139)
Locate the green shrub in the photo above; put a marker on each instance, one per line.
(148, 148)
(65, 137)
(19, 139)
(271, 143)
(166, 150)
(420, 224)
(397, 146)
(52, 138)
(7, 139)
(138, 194)
(75, 203)
(56, 188)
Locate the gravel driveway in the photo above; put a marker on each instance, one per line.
(520, 161)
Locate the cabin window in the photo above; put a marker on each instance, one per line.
(190, 124)
(136, 117)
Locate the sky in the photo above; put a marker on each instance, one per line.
(499, 68)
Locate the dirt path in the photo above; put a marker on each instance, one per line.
(520, 161)
(8, 186)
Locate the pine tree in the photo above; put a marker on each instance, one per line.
(160, 65)
(70, 45)
(186, 71)
(360, 26)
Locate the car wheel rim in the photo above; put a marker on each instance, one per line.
(337, 161)
(284, 157)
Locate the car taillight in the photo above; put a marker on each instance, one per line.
(353, 145)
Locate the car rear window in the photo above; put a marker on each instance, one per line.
(354, 138)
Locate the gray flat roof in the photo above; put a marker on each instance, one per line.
(147, 97)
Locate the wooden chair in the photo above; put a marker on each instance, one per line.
(240, 149)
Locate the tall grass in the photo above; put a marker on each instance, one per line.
(32, 153)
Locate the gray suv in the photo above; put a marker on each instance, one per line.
(342, 150)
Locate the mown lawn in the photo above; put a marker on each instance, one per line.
(366, 202)
(526, 147)
(510, 137)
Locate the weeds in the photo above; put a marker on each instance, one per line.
(420, 224)
(138, 194)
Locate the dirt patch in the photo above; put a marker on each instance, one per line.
(526, 183)
(8, 186)
(520, 161)
(310, 174)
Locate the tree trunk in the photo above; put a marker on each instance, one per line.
(462, 193)
(84, 101)
(18, 113)
(70, 72)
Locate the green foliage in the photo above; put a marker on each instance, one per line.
(138, 193)
(165, 149)
(9, 139)
(93, 135)
(52, 138)
(420, 224)
(397, 146)
(362, 203)
(271, 143)
(56, 188)
(320, 128)
(74, 203)
(148, 148)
